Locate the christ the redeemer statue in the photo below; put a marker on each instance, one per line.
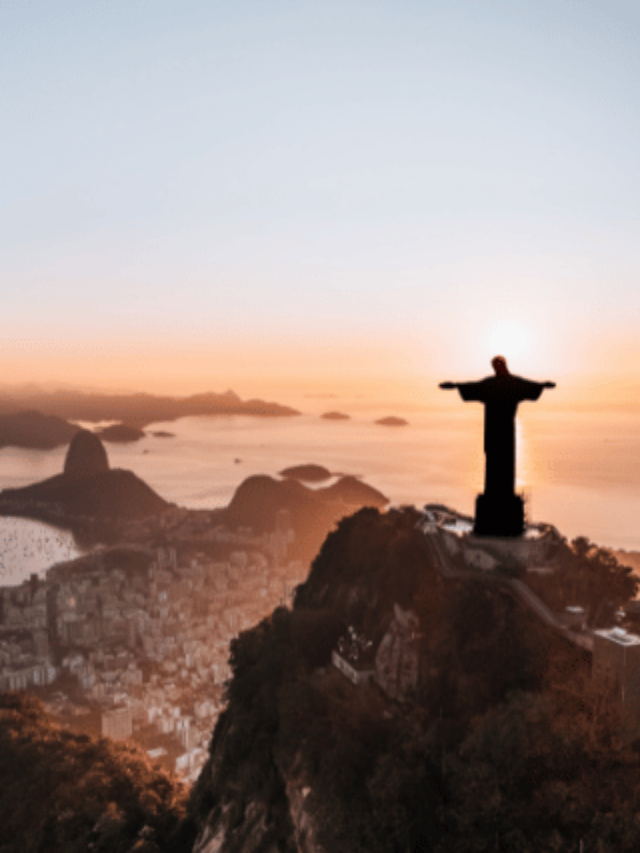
(499, 511)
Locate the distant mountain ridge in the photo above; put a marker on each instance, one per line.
(35, 430)
(136, 410)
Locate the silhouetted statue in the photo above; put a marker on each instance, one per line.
(499, 511)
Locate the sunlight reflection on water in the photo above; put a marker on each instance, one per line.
(579, 472)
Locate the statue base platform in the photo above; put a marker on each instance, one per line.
(499, 516)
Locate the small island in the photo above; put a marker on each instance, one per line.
(392, 422)
(120, 433)
(161, 433)
(335, 416)
(307, 473)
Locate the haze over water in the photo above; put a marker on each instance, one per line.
(337, 196)
(579, 472)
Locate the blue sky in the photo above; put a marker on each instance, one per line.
(300, 190)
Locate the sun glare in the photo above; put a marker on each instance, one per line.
(509, 339)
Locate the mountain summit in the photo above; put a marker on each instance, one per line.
(88, 487)
(86, 455)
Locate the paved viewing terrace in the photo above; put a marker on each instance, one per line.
(449, 533)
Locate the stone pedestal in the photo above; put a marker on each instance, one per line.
(499, 515)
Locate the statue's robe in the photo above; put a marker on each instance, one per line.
(500, 395)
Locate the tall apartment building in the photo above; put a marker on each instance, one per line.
(41, 643)
(617, 653)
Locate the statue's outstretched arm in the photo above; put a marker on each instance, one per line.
(448, 385)
(548, 384)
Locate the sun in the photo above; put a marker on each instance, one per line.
(510, 339)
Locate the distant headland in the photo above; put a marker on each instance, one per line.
(87, 493)
(35, 430)
(42, 420)
(101, 504)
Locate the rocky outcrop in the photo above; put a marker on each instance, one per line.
(258, 499)
(398, 658)
(313, 512)
(304, 825)
(87, 488)
(86, 455)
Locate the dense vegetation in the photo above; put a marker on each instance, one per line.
(587, 576)
(68, 793)
(507, 744)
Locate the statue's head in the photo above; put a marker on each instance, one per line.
(499, 364)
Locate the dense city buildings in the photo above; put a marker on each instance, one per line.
(135, 642)
(117, 723)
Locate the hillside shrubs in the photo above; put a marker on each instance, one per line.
(68, 792)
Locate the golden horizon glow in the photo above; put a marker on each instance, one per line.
(408, 368)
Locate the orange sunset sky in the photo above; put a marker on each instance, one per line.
(342, 197)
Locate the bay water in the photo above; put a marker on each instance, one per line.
(580, 473)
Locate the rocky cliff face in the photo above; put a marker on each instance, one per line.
(397, 663)
(86, 455)
(304, 760)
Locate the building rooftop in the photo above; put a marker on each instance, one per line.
(619, 635)
(462, 525)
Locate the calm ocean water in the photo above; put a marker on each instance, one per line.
(28, 547)
(579, 472)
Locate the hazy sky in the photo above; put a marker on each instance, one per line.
(197, 194)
